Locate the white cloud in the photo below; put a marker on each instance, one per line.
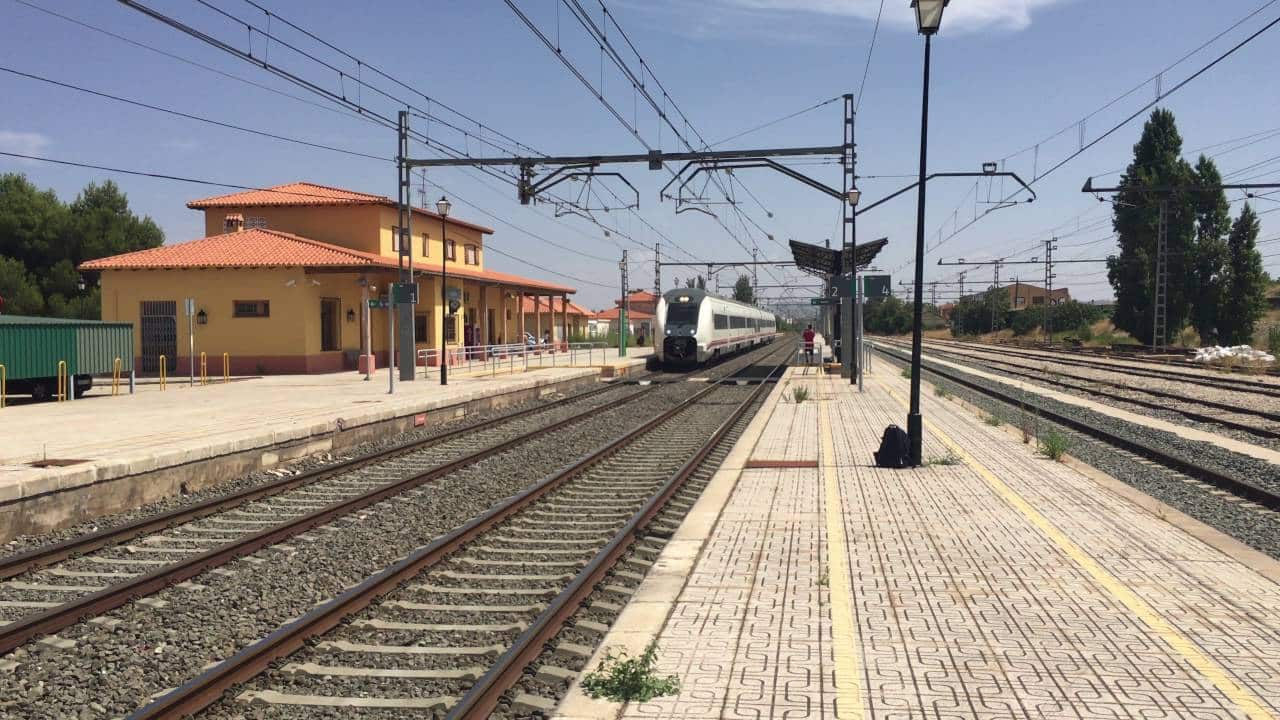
(24, 143)
(961, 15)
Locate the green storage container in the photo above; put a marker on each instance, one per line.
(31, 347)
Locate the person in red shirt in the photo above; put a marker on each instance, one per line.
(808, 344)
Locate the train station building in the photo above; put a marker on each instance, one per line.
(282, 283)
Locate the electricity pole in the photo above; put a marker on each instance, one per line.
(657, 271)
(622, 309)
(1049, 246)
(404, 248)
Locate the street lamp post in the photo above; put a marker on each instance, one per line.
(928, 20)
(442, 208)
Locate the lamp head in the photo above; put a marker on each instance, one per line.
(854, 195)
(989, 168)
(929, 15)
(443, 206)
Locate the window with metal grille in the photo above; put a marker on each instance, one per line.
(255, 223)
(250, 308)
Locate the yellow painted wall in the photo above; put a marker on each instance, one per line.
(352, 227)
(293, 327)
(430, 227)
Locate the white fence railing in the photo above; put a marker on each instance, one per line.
(490, 359)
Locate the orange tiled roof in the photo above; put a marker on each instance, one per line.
(633, 314)
(309, 194)
(258, 247)
(261, 247)
(557, 306)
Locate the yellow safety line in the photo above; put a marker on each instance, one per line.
(1249, 703)
(844, 631)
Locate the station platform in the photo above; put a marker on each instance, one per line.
(991, 583)
(102, 454)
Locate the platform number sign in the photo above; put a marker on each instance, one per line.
(876, 286)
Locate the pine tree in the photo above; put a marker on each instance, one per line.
(742, 290)
(1246, 281)
(1157, 161)
(1209, 260)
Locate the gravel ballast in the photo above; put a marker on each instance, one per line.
(117, 666)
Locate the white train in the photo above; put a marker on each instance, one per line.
(693, 327)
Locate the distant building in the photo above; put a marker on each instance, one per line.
(641, 308)
(1024, 295)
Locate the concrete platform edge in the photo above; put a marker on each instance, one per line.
(77, 494)
(646, 614)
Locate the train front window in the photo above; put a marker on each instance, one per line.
(682, 315)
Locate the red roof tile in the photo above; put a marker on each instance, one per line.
(261, 247)
(258, 247)
(633, 314)
(527, 306)
(309, 194)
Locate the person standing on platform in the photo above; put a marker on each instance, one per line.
(808, 344)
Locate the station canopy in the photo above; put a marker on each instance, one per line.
(823, 261)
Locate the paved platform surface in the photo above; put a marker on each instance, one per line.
(153, 429)
(991, 584)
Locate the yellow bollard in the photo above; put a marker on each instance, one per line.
(226, 367)
(115, 378)
(62, 380)
(163, 372)
(3, 377)
(204, 369)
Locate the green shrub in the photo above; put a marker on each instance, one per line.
(1273, 340)
(949, 459)
(799, 395)
(624, 679)
(941, 392)
(906, 373)
(994, 420)
(1053, 445)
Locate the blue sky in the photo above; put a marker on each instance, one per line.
(1007, 76)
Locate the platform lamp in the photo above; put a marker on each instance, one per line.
(442, 208)
(928, 20)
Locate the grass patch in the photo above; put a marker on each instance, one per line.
(941, 392)
(949, 459)
(994, 420)
(799, 395)
(906, 372)
(628, 679)
(1053, 445)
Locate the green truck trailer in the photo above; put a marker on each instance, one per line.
(32, 347)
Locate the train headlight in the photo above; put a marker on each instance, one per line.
(668, 332)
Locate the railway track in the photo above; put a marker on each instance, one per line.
(51, 587)
(1222, 383)
(1143, 451)
(1135, 357)
(453, 625)
(1174, 402)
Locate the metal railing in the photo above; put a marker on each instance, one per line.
(511, 357)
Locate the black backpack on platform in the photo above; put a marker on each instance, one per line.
(895, 448)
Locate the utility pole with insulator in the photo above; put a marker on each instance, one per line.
(1049, 246)
(622, 310)
(657, 270)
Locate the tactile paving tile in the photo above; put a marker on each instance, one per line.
(963, 607)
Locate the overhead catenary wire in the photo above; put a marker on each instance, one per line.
(1085, 147)
(237, 186)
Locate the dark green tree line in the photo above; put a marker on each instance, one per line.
(742, 291)
(1201, 267)
(43, 240)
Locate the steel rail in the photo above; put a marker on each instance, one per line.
(1223, 383)
(39, 557)
(1189, 414)
(483, 697)
(1233, 485)
(27, 629)
(205, 689)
